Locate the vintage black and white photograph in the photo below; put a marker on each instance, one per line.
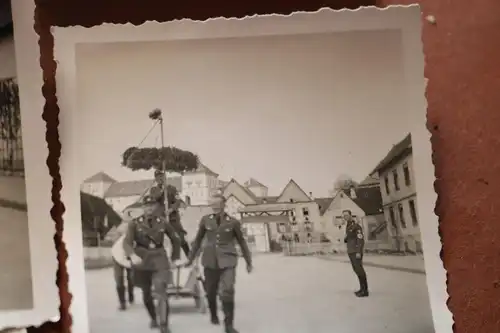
(28, 291)
(264, 183)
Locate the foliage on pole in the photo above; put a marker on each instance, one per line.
(176, 160)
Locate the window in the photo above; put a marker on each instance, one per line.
(402, 216)
(291, 200)
(392, 217)
(250, 239)
(396, 179)
(418, 247)
(305, 211)
(386, 183)
(413, 213)
(308, 226)
(406, 172)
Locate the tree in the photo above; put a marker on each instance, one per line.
(10, 118)
(343, 182)
(176, 160)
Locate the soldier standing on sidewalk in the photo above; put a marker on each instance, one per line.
(219, 259)
(355, 241)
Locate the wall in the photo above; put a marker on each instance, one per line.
(95, 189)
(259, 191)
(233, 206)
(120, 203)
(335, 227)
(404, 190)
(198, 187)
(410, 233)
(7, 59)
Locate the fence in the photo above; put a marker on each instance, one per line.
(11, 146)
(304, 249)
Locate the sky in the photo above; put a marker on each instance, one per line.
(307, 107)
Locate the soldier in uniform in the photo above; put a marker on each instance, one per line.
(121, 272)
(143, 244)
(174, 218)
(219, 259)
(355, 241)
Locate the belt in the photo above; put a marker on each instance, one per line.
(152, 246)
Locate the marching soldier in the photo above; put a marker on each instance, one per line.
(174, 218)
(219, 260)
(120, 272)
(143, 244)
(355, 241)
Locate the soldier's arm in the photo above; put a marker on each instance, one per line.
(360, 239)
(128, 241)
(174, 239)
(200, 234)
(242, 242)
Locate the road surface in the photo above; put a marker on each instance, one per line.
(16, 289)
(286, 295)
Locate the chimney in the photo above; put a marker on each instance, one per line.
(353, 193)
(311, 195)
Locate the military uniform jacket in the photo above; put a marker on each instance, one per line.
(219, 248)
(145, 237)
(174, 218)
(354, 238)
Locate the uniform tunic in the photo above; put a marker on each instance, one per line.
(145, 237)
(355, 242)
(220, 257)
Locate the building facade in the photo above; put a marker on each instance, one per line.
(399, 197)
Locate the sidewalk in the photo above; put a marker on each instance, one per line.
(408, 263)
(13, 192)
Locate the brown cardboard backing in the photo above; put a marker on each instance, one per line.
(462, 50)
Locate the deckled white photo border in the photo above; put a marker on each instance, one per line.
(38, 180)
(404, 18)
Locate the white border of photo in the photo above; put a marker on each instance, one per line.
(407, 19)
(44, 263)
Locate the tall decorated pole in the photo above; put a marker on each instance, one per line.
(159, 116)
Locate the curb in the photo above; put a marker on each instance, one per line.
(12, 204)
(388, 267)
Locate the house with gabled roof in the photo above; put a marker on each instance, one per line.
(291, 217)
(365, 204)
(399, 196)
(97, 184)
(199, 185)
(260, 190)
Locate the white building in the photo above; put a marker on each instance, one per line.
(195, 188)
(399, 196)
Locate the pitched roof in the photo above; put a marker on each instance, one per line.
(369, 199)
(267, 200)
(252, 182)
(91, 206)
(292, 183)
(323, 204)
(398, 150)
(202, 168)
(370, 181)
(138, 187)
(246, 190)
(99, 177)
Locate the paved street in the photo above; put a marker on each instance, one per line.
(286, 295)
(15, 277)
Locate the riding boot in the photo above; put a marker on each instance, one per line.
(120, 290)
(228, 309)
(212, 306)
(163, 314)
(131, 294)
(363, 292)
(150, 308)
